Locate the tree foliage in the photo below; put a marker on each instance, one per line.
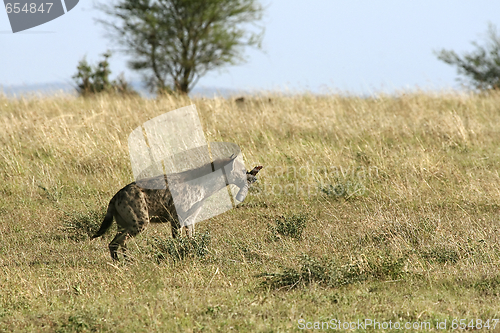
(482, 66)
(91, 80)
(175, 42)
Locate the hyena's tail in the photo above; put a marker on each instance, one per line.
(108, 220)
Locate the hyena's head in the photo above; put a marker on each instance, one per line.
(239, 176)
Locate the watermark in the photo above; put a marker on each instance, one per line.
(364, 324)
(171, 152)
(26, 14)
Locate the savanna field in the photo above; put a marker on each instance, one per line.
(384, 208)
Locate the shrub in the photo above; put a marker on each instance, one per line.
(82, 225)
(488, 285)
(93, 80)
(441, 255)
(291, 226)
(180, 248)
(347, 189)
(326, 272)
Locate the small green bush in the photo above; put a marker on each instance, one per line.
(441, 255)
(181, 248)
(335, 191)
(488, 285)
(79, 322)
(326, 272)
(81, 226)
(291, 226)
(343, 189)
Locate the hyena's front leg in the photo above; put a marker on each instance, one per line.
(191, 219)
(176, 227)
(177, 230)
(190, 230)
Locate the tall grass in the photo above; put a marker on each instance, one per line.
(401, 194)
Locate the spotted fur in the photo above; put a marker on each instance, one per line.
(151, 201)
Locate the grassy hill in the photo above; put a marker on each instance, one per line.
(384, 208)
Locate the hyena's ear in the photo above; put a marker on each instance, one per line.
(255, 170)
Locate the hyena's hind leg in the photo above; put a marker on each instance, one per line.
(131, 221)
(119, 240)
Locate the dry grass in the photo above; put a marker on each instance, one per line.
(400, 195)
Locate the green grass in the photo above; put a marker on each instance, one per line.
(384, 207)
(291, 226)
(328, 273)
(177, 249)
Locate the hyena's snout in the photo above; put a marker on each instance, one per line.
(242, 193)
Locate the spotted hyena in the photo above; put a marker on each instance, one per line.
(152, 200)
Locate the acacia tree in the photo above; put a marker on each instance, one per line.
(173, 43)
(482, 66)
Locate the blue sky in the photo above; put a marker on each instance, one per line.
(359, 46)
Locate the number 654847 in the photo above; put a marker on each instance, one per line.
(464, 324)
(28, 8)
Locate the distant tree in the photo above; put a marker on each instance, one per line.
(93, 80)
(175, 42)
(482, 66)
